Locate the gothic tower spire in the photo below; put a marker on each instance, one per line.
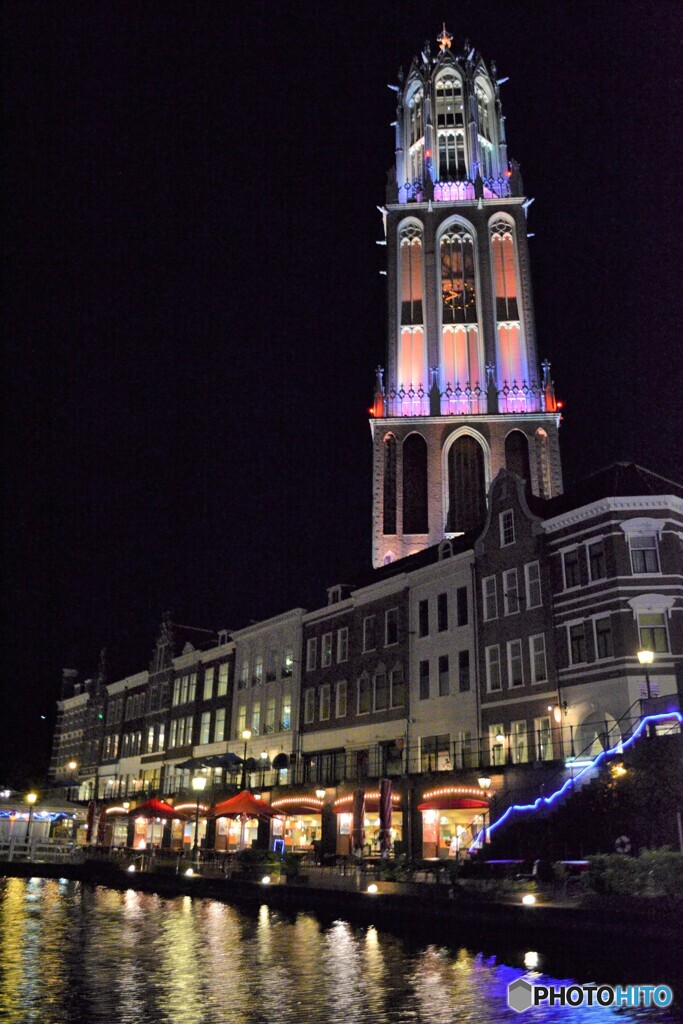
(463, 394)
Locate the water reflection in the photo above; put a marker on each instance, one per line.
(74, 954)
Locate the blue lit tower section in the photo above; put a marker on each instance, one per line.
(463, 393)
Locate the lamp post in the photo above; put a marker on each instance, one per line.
(30, 800)
(485, 785)
(264, 762)
(72, 766)
(198, 785)
(246, 736)
(646, 658)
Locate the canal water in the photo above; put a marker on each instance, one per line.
(72, 953)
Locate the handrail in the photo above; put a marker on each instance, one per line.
(543, 801)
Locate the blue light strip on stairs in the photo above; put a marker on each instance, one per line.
(572, 780)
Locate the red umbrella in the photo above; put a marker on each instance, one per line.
(385, 816)
(244, 803)
(154, 808)
(358, 819)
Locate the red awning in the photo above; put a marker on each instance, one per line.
(452, 803)
(345, 806)
(154, 808)
(243, 803)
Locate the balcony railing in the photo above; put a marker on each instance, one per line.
(466, 399)
(449, 191)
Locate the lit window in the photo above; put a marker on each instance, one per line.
(288, 662)
(326, 650)
(219, 726)
(493, 681)
(256, 718)
(543, 738)
(515, 666)
(510, 592)
(208, 682)
(490, 598)
(532, 574)
(222, 679)
(518, 742)
(539, 668)
(603, 637)
(269, 724)
(241, 719)
(258, 670)
(644, 555)
(325, 700)
(309, 706)
(286, 713)
(205, 727)
(311, 653)
(653, 633)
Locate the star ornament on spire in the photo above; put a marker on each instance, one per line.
(444, 39)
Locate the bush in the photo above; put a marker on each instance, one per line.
(653, 873)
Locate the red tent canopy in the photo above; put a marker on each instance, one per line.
(244, 803)
(451, 803)
(154, 808)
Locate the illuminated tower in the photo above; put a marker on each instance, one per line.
(463, 394)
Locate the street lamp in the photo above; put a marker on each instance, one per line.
(246, 736)
(30, 800)
(320, 793)
(264, 762)
(198, 785)
(72, 766)
(646, 658)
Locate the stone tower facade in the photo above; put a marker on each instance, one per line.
(463, 394)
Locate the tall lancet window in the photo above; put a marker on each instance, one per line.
(485, 131)
(411, 356)
(511, 352)
(459, 321)
(389, 485)
(416, 142)
(466, 485)
(450, 125)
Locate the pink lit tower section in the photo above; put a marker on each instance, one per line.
(463, 393)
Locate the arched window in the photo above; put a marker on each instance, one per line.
(512, 366)
(450, 124)
(411, 355)
(466, 485)
(517, 455)
(389, 485)
(415, 514)
(485, 129)
(415, 140)
(459, 320)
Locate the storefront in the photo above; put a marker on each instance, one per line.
(301, 825)
(229, 833)
(452, 818)
(371, 844)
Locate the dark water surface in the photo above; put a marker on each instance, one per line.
(72, 953)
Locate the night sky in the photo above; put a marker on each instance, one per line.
(194, 308)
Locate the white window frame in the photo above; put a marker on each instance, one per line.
(487, 580)
(528, 583)
(326, 650)
(570, 551)
(325, 702)
(205, 727)
(490, 662)
(219, 726)
(665, 626)
(509, 646)
(650, 534)
(510, 574)
(311, 653)
(505, 518)
(341, 697)
(223, 672)
(342, 644)
(532, 659)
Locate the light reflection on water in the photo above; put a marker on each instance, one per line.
(76, 954)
